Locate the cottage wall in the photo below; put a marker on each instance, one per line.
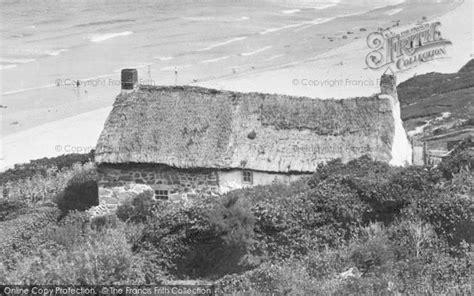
(232, 179)
(418, 155)
(118, 183)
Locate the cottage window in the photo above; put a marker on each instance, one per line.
(161, 194)
(247, 177)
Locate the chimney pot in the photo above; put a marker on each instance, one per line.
(388, 83)
(129, 79)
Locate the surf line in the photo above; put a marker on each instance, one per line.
(214, 60)
(255, 51)
(222, 43)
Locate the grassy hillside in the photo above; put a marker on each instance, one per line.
(361, 228)
(426, 97)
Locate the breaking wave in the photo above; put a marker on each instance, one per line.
(223, 43)
(103, 37)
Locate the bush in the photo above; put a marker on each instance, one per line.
(327, 263)
(104, 222)
(209, 238)
(139, 209)
(307, 238)
(372, 255)
(412, 239)
(436, 272)
(448, 213)
(81, 191)
(416, 178)
(103, 258)
(71, 230)
(41, 166)
(362, 167)
(39, 187)
(234, 220)
(460, 158)
(77, 250)
(288, 278)
(10, 209)
(23, 234)
(370, 183)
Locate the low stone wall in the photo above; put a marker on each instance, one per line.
(118, 183)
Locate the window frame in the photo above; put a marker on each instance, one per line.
(247, 177)
(161, 194)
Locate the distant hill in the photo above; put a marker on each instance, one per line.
(438, 100)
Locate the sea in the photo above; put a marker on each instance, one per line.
(59, 58)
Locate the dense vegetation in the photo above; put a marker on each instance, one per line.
(43, 165)
(353, 229)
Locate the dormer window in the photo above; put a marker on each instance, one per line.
(247, 177)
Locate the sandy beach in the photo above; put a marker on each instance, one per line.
(53, 117)
(342, 72)
(76, 134)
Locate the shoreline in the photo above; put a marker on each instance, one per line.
(33, 106)
(342, 72)
(75, 134)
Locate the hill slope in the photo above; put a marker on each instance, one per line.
(438, 101)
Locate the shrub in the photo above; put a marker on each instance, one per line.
(9, 209)
(139, 209)
(335, 205)
(275, 191)
(360, 167)
(460, 158)
(41, 166)
(372, 284)
(70, 231)
(288, 278)
(448, 213)
(235, 222)
(412, 239)
(23, 234)
(416, 178)
(372, 255)
(299, 239)
(78, 250)
(104, 222)
(328, 262)
(209, 238)
(313, 219)
(103, 258)
(81, 191)
(39, 187)
(371, 183)
(436, 272)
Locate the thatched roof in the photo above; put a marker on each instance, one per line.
(194, 127)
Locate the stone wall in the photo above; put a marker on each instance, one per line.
(121, 182)
(118, 183)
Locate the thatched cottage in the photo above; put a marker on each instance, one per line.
(182, 139)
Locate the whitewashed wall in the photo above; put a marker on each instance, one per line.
(232, 179)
